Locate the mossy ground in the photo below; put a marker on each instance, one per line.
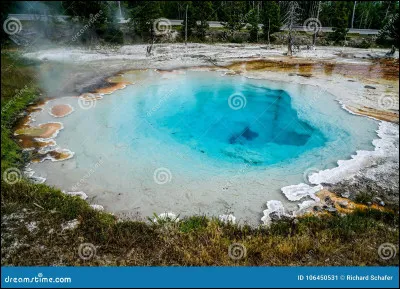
(33, 217)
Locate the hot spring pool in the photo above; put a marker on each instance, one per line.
(200, 143)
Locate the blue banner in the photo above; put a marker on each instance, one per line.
(198, 277)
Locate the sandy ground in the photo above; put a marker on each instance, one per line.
(364, 91)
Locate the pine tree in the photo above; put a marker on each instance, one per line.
(203, 11)
(253, 21)
(394, 28)
(84, 11)
(6, 7)
(389, 34)
(144, 16)
(234, 16)
(341, 22)
(271, 19)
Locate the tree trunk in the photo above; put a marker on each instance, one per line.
(290, 52)
(352, 17)
(290, 42)
(291, 19)
(186, 24)
(387, 10)
(316, 32)
(366, 19)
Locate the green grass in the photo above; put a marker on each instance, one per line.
(195, 241)
(365, 197)
(18, 89)
(194, 223)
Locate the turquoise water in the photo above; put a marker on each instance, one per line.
(226, 120)
(226, 144)
(262, 129)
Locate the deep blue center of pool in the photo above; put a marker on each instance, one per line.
(235, 122)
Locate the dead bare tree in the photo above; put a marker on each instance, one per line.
(354, 11)
(186, 23)
(317, 28)
(149, 47)
(290, 20)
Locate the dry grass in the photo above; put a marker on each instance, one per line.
(197, 241)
